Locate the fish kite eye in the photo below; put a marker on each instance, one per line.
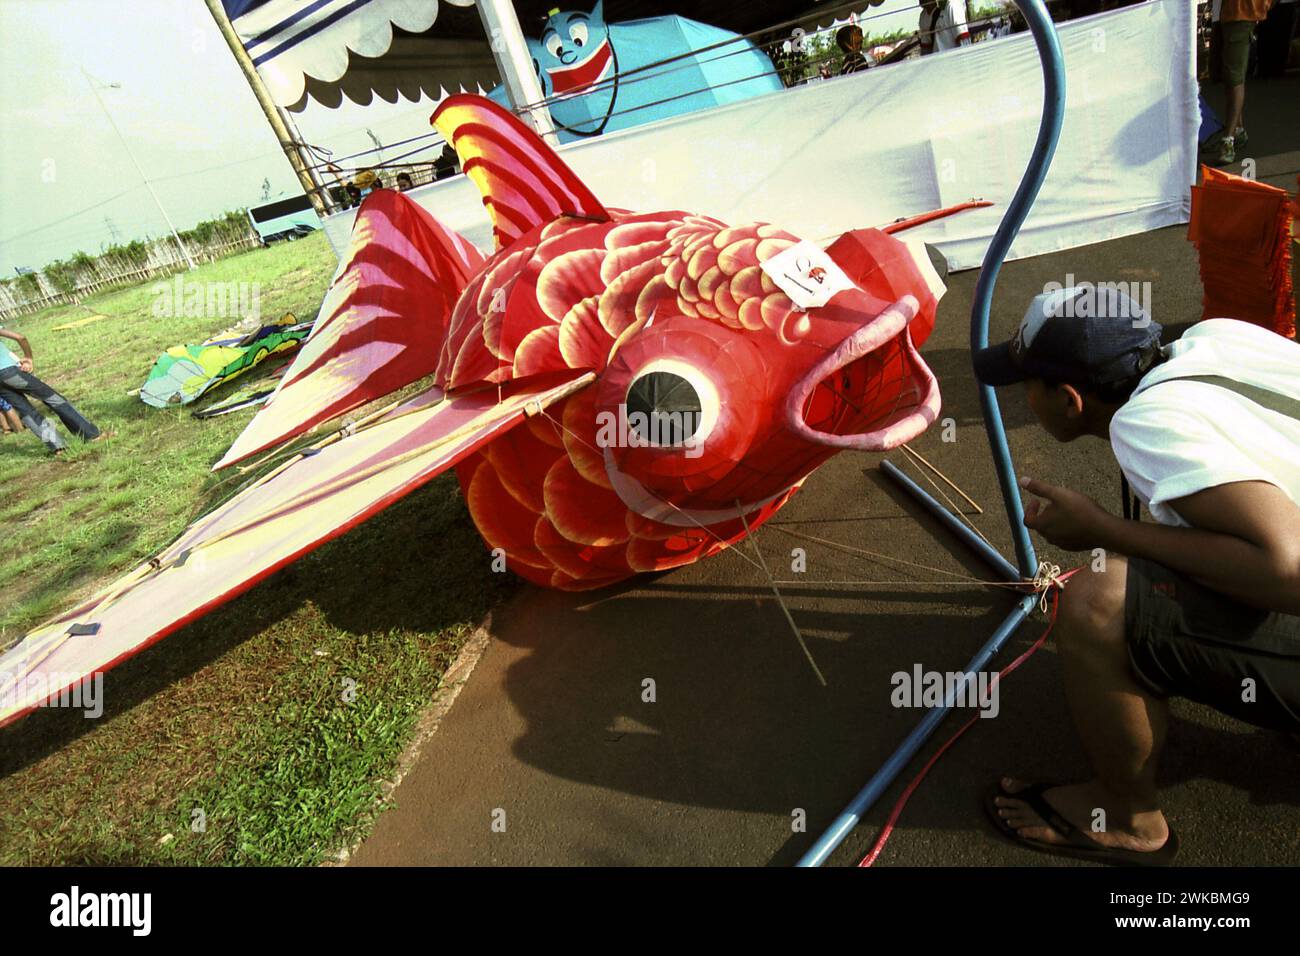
(578, 31)
(553, 44)
(663, 408)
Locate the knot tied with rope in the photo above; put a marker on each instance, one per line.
(1045, 579)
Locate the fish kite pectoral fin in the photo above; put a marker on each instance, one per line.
(382, 324)
(267, 526)
(523, 182)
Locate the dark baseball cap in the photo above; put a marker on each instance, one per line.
(1087, 336)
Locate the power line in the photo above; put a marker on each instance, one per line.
(74, 215)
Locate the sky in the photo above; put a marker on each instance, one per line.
(67, 182)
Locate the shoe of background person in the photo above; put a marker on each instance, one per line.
(1227, 152)
(1239, 138)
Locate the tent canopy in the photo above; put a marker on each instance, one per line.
(325, 50)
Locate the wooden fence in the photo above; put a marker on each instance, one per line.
(112, 271)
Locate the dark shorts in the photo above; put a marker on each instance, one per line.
(1188, 641)
(1236, 50)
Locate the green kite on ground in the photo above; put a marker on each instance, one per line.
(185, 372)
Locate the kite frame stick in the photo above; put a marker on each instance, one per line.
(946, 480)
(1049, 53)
(898, 225)
(1001, 565)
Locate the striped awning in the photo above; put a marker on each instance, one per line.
(294, 41)
(331, 50)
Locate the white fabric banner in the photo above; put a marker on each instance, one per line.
(893, 142)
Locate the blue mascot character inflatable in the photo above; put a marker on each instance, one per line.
(599, 77)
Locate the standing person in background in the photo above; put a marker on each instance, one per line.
(20, 385)
(1275, 38)
(943, 26)
(445, 164)
(1236, 24)
(849, 40)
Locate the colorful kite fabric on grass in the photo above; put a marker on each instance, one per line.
(185, 373)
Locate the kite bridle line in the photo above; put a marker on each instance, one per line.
(1049, 52)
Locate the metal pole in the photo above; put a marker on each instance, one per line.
(1049, 52)
(515, 65)
(1001, 565)
(1049, 130)
(880, 781)
(135, 162)
(314, 190)
(317, 181)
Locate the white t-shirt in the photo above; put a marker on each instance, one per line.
(1183, 437)
(946, 29)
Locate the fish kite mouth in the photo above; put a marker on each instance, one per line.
(914, 409)
(582, 75)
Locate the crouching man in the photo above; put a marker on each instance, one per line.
(1204, 603)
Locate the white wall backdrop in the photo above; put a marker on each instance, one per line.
(866, 149)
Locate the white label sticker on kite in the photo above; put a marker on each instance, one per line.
(806, 274)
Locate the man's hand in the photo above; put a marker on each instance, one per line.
(25, 364)
(1066, 518)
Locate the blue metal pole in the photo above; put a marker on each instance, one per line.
(852, 814)
(1049, 130)
(982, 549)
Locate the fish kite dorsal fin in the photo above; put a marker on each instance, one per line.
(524, 184)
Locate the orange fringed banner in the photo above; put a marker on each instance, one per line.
(1242, 232)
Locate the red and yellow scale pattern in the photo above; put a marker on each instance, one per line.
(561, 297)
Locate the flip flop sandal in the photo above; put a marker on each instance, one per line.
(1080, 845)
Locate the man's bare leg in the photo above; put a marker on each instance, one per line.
(1122, 725)
(1236, 96)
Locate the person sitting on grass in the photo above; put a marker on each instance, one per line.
(34, 421)
(1205, 602)
(10, 423)
(21, 385)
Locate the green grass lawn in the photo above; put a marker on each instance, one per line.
(239, 721)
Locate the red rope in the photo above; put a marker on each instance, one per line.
(894, 814)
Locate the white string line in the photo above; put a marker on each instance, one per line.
(964, 578)
(946, 480)
(952, 506)
(753, 543)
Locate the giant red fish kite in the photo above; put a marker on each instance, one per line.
(619, 392)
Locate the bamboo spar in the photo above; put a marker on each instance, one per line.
(310, 183)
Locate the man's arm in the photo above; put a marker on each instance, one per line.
(1245, 539)
(27, 362)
